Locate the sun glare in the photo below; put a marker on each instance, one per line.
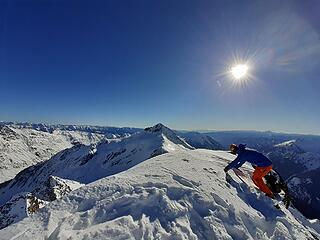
(239, 71)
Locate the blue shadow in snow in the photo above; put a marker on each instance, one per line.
(264, 206)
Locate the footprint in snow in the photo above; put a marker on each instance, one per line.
(210, 170)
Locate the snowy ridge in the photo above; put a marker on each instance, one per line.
(286, 143)
(289, 147)
(24, 204)
(88, 163)
(120, 131)
(26, 144)
(161, 130)
(19, 207)
(199, 140)
(178, 195)
(20, 148)
(85, 164)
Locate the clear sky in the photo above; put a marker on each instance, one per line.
(139, 62)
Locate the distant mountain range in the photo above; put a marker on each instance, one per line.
(64, 157)
(84, 164)
(83, 128)
(150, 185)
(264, 141)
(23, 147)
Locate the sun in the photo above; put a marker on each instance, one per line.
(239, 71)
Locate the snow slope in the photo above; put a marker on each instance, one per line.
(26, 144)
(195, 139)
(20, 148)
(289, 158)
(86, 164)
(24, 204)
(301, 169)
(292, 155)
(177, 195)
(199, 140)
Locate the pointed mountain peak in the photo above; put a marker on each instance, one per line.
(165, 132)
(286, 143)
(158, 128)
(291, 146)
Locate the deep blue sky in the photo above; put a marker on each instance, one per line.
(136, 63)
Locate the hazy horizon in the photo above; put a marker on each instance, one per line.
(178, 129)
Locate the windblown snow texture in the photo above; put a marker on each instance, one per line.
(178, 195)
(150, 185)
(84, 164)
(294, 156)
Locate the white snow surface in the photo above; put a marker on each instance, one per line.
(24, 204)
(286, 143)
(202, 141)
(85, 164)
(178, 195)
(20, 148)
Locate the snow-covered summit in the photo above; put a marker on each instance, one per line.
(161, 130)
(86, 164)
(289, 146)
(286, 143)
(178, 195)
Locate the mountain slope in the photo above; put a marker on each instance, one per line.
(86, 164)
(200, 140)
(292, 156)
(178, 195)
(263, 141)
(301, 169)
(305, 189)
(290, 159)
(20, 148)
(24, 204)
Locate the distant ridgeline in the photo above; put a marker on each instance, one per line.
(85, 128)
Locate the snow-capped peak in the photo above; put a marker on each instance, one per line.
(290, 146)
(158, 128)
(85, 164)
(161, 130)
(286, 143)
(180, 195)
